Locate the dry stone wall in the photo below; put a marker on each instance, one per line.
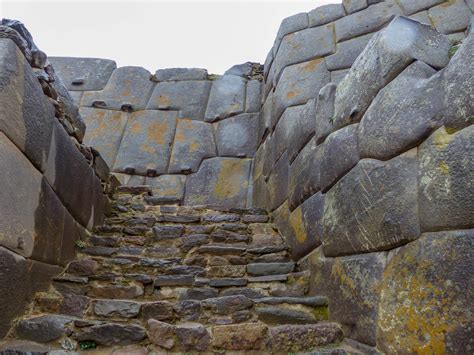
(188, 134)
(365, 161)
(51, 184)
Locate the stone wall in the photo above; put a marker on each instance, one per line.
(366, 162)
(50, 193)
(188, 134)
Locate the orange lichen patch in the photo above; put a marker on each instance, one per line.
(184, 126)
(297, 224)
(156, 132)
(311, 66)
(292, 94)
(135, 127)
(147, 149)
(193, 147)
(164, 100)
(126, 88)
(229, 180)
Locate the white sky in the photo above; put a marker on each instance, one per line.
(157, 34)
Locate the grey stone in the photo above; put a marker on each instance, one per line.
(286, 124)
(127, 86)
(187, 270)
(179, 74)
(190, 241)
(422, 17)
(253, 96)
(277, 315)
(315, 301)
(188, 310)
(410, 7)
(292, 24)
(264, 269)
(304, 45)
(382, 60)
(180, 218)
(341, 153)
(105, 130)
(325, 14)
(146, 143)
(354, 5)
(193, 142)
(298, 84)
(227, 304)
(347, 52)
(227, 98)
(159, 310)
(112, 308)
(278, 183)
(373, 207)
(82, 267)
(221, 249)
(301, 129)
(110, 334)
(446, 175)
(174, 280)
(237, 136)
(325, 112)
(198, 293)
(265, 122)
(170, 188)
(219, 218)
(268, 147)
(42, 329)
(252, 293)
(365, 21)
(165, 232)
(268, 249)
(450, 17)
(189, 98)
(269, 278)
(219, 182)
(76, 97)
(338, 75)
(74, 305)
(193, 337)
(83, 74)
(228, 282)
(160, 333)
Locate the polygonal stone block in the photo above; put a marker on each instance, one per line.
(187, 97)
(193, 142)
(347, 52)
(450, 17)
(253, 96)
(427, 289)
(237, 136)
(325, 112)
(287, 123)
(301, 129)
(259, 192)
(352, 6)
(128, 88)
(83, 74)
(227, 97)
(446, 165)
(373, 207)
(146, 142)
(169, 188)
(291, 24)
(179, 74)
(422, 17)
(105, 130)
(268, 156)
(325, 14)
(219, 182)
(338, 75)
(266, 118)
(410, 7)
(298, 84)
(278, 183)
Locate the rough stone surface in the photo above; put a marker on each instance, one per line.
(373, 207)
(347, 52)
(110, 334)
(278, 183)
(227, 304)
(227, 98)
(269, 269)
(160, 333)
(325, 112)
(42, 329)
(354, 5)
(450, 17)
(179, 74)
(237, 136)
(168, 188)
(159, 310)
(239, 336)
(287, 123)
(410, 7)
(277, 315)
(193, 337)
(253, 96)
(111, 308)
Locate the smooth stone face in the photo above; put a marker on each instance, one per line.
(27, 117)
(286, 125)
(126, 86)
(169, 188)
(338, 75)
(451, 17)
(111, 308)
(112, 334)
(179, 74)
(325, 112)
(301, 129)
(226, 99)
(347, 52)
(298, 84)
(354, 5)
(325, 14)
(374, 207)
(219, 182)
(146, 143)
(42, 329)
(446, 175)
(105, 129)
(352, 286)
(189, 98)
(253, 96)
(264, 269)
(382, 60)
(341, 153)
(239, 336)
(193, 142)
(237, 136)
(435, 270)
(303, 45)
(278, 183)
(410, 7)
(83, 74)
(244, 70)
(306, 224)
(291, 24)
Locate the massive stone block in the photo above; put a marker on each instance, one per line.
(146, 142)
(128, 88)
(347, 52)
(374, 207)
(284, 127)
(237, 136)
(253, 96)
(304, 174)
(410, 7)
(259, 192)
(291, 24)
(340, 154)
(352, 285)
(180, 74)
(325, 112)
(26, 115)
(427, 296)
(306, 225)
(168, 188)
(278, 183)
(266, 117)
(298, 84)
(83, 74)
(268, 155)
(382, 60)
(325, 14)
(301, 129)
(187, 97)
(304, 45)
(446, 175)
(227, 97)
(105, 130)
(219, 182)
(450, 17)
(193, 142)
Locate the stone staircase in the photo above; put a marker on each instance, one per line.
(181, 279)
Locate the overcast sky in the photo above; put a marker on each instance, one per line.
(157, 34)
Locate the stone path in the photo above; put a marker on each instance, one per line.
(180, 279)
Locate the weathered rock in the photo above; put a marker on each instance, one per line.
(269, 269)
(227, 304)
(188, 310)
(347, 52)
(237, 136)
(74, 305)
(160, 333)
(373, 207)
(325, 14)
(301, 129)
(167, 232)
(168, 188)
(354, 5)
(289, 25)
(446, 165)
(287, 123)
(174, 280)
(159, 310)
(227, 282)
(198, 293)
(226, 271)
(226, 98)
(278, 183)
(110, 334)
(325, 112)
(451, 17)
(112, 308)
(252, 293)
(116, 291)
(83, 267)
(179, 74)
(42, 329)
(193, 337)
(421, 304)
(277, 315)
(253, 96)
(239, 336)
(411, 7)
(188, 242)
(316, 301)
